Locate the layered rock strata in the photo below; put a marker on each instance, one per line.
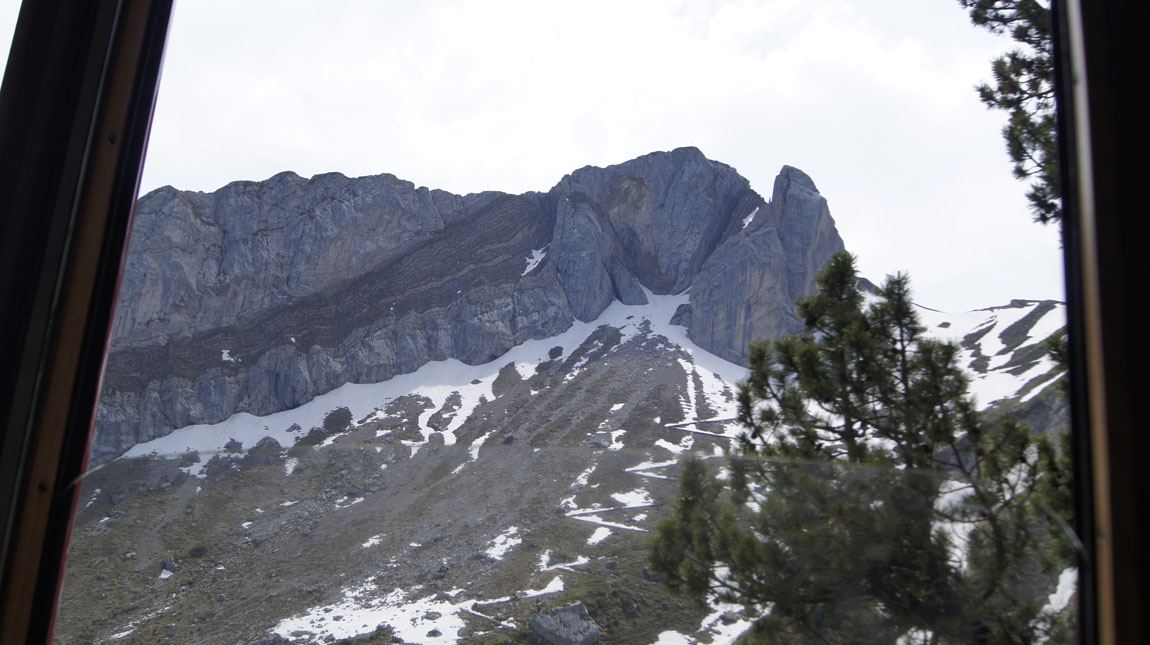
(262, 295)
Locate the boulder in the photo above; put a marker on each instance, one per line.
(600, 440)
(570, 625)
(267, 446)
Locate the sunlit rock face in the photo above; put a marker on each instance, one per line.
(262, 295)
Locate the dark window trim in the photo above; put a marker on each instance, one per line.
(75, 110)
(1103, 132)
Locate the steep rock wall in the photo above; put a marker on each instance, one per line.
(262, 295)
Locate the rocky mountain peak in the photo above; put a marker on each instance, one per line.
(262, 295)
(791, 178)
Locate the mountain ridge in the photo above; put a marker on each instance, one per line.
(455, 503)
(320, 466)
(298, 286)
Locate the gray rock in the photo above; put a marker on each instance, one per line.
(806, 230)
(228, 256)
(267, 445)
(665, 212)
(570, 625)
(682, 315)
(627, 288)
(263, 295)
(600, 440)
(747, 288)
(578, 250)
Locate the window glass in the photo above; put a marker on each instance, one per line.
(434, 321)
(8, 12)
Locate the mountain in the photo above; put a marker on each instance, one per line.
(455, 499)
(261, 296)
(526, 436)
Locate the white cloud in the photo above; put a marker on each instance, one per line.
(873, 99)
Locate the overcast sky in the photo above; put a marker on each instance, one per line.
(873, 99)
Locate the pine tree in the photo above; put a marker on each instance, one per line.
(1024, 88)
(866, 500)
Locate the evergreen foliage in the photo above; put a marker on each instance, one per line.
(866, 500)
(1024, 88)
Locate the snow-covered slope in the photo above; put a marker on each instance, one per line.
(1004, 348)
(457, 500)
(466, 386)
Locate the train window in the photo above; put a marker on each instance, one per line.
(433, 322)
(7, 25)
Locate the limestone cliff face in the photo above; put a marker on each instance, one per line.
(747, 288)
(200, 261)
(262, 295)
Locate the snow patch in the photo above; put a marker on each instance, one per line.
(1067, 585)
(555, 586)
(649, 465)
(584, 477)
(534, 259)
(637, 498)
(363, 608)
(343, 503)
(616, 439)
(503, 543)
(750, 218)
(595, 519)
(997, 385)
(545, 563)
(600, 534)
